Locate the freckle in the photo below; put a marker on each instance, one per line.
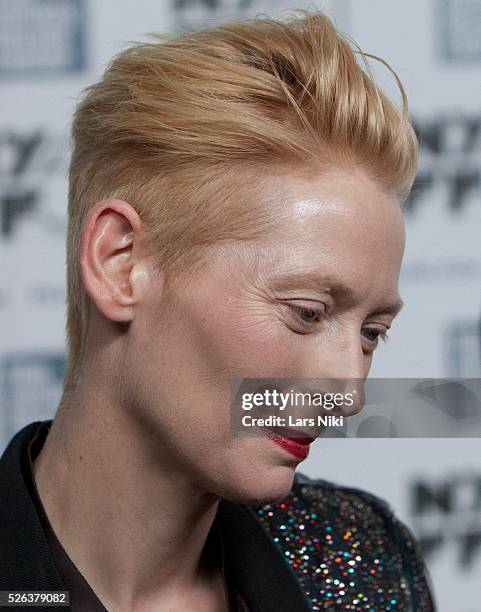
(80, 457)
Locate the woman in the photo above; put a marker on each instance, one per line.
(235, 211)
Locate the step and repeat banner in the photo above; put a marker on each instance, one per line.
(51, 49)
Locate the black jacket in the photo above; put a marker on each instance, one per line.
(323, 548)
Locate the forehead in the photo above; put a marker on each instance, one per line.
(340, 224)
(335, 198)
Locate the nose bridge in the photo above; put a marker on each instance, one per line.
(339, 360)
(341, 356)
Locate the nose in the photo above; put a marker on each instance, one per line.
(341, 366)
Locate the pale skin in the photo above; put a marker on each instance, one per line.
(138, 458)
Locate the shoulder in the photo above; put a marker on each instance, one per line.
(369, 514)
(349, 503)
(345, 541)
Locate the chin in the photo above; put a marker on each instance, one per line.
(256, 487)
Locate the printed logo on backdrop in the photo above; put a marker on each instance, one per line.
(33, 166)
(41, 36)
(445, 204)
(32, 384)
(193, 14)
(446, 516)
(450, 159)
(459, 30)
(446, 199)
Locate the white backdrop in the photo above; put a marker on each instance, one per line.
(50, 50)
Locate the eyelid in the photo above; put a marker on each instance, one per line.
(308, 303)
(381, 327)
(304, 307)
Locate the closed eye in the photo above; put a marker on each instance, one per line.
(371, 337)
(307, 315)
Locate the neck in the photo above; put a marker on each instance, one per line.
(133, 525)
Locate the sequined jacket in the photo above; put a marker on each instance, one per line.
(325, 547)
(347, 549)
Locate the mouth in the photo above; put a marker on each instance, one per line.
(293, 441)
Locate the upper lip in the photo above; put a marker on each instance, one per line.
(293, 434)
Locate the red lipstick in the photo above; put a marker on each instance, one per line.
(299, 447)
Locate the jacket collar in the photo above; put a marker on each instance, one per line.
(266, 581)
(25, 562)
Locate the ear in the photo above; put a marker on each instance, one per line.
(112, 267)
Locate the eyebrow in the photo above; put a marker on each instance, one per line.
(393, 308)
(330, 284)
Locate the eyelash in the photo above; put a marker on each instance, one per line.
(379, 334)
(300, 310)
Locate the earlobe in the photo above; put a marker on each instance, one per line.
(110, 257)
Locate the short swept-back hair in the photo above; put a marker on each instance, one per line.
(185, 128)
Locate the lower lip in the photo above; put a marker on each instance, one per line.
(295, 447)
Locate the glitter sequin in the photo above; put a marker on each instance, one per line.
(348, 550)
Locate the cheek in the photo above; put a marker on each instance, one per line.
(246, 340)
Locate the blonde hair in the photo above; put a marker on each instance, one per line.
(186, 127)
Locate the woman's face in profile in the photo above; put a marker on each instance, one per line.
(310, 299)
